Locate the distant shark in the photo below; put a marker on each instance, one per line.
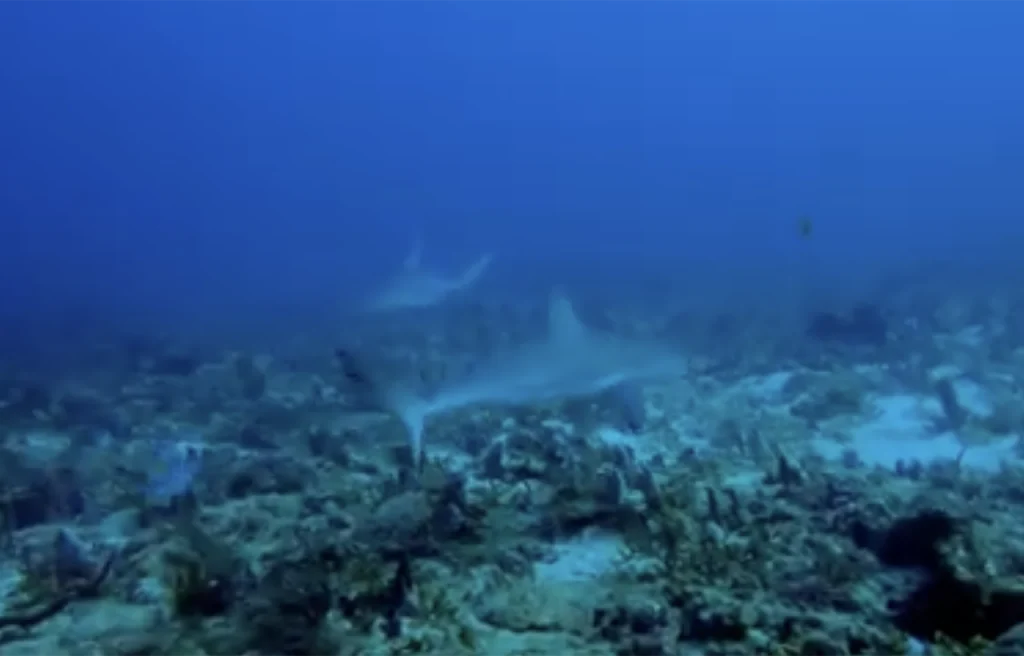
(573, 361)
(415, 287)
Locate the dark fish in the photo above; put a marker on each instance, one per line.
(630, 399)
(865, 325)
(805, 227)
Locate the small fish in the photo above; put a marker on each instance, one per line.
(805, 227)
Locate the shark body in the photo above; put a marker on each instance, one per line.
(415, 287)
(572, 362)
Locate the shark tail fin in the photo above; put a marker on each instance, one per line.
(412, 410)
(372, 392)
(473, 273)
(414, 416)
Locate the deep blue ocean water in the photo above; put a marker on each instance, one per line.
(248, 164)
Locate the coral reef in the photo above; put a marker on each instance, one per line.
(238, 503)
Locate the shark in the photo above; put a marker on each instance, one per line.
(416, 287)
(571, 361)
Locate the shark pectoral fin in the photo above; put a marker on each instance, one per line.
(473, 273)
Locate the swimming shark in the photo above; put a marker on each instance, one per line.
(415, 287)
(572, 361)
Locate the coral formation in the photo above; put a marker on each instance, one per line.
(235, 503)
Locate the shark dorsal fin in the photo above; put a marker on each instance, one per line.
(564, 325)
(412, 260)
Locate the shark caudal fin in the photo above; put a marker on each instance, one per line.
(372, 392)
(413, 413)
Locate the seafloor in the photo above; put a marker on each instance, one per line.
(810, 497)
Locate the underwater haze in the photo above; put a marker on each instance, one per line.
(196, 162)
(460, 328)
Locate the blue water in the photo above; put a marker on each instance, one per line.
(786, 239)
(185, 164)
